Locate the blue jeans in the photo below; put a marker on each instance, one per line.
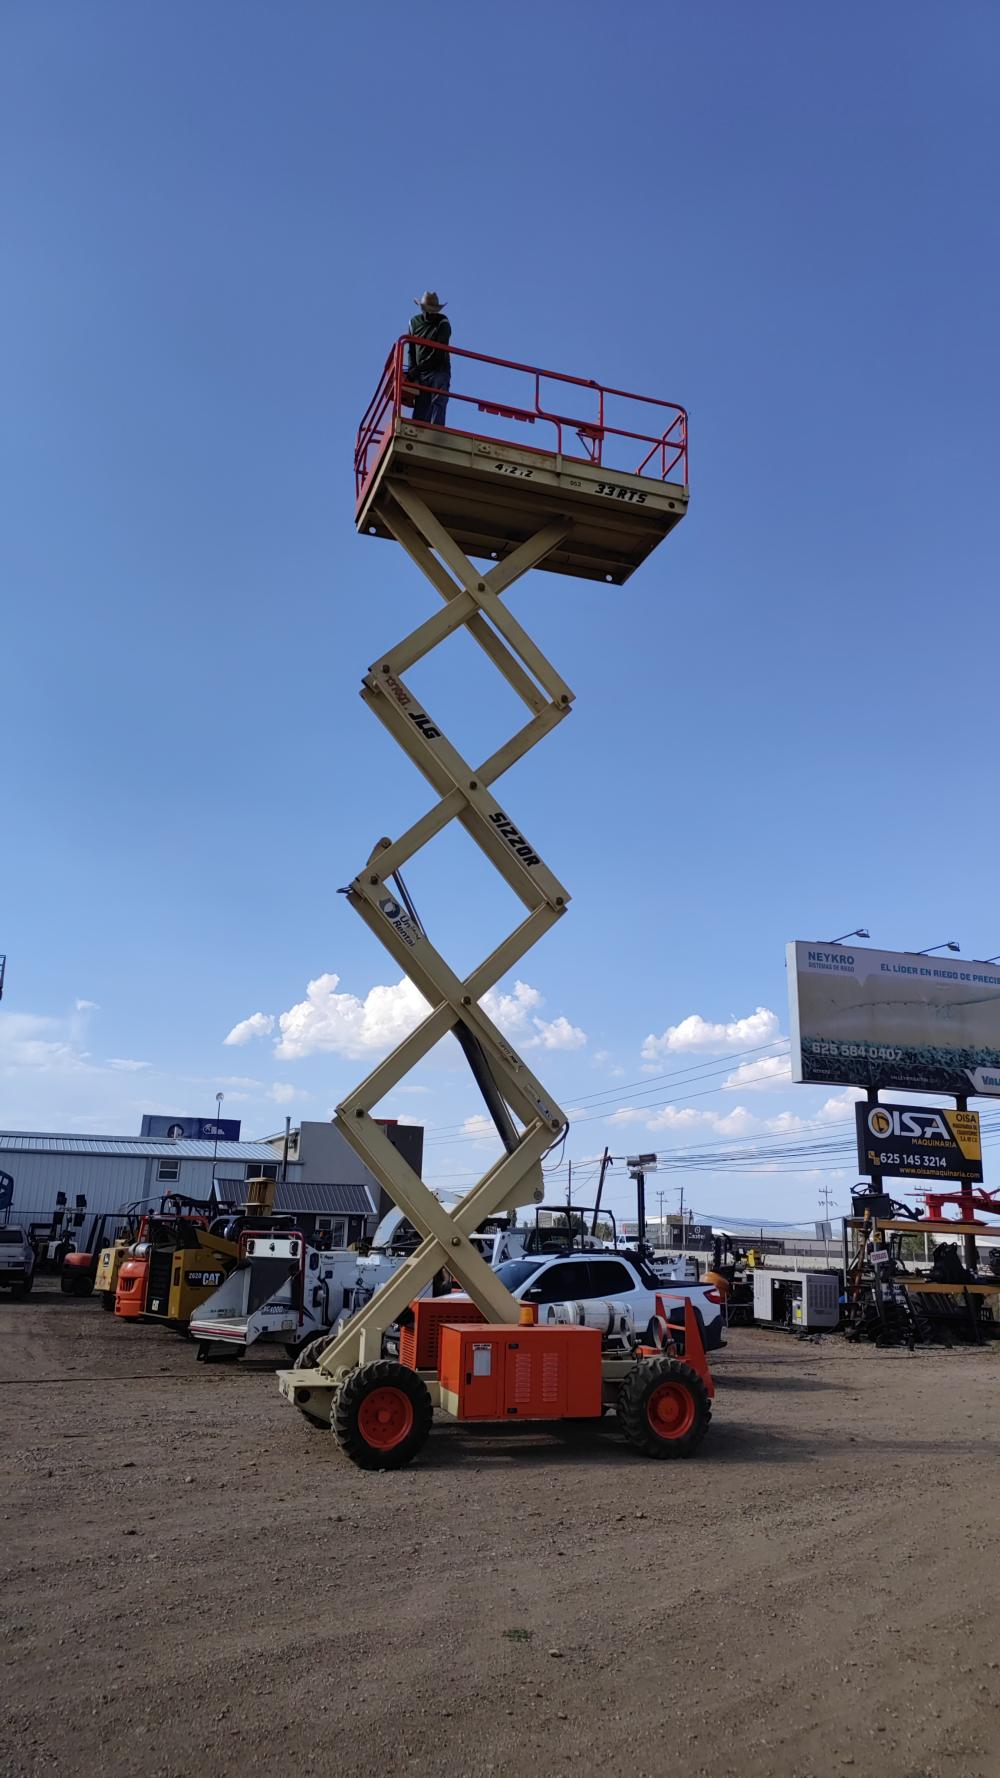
(432, 402)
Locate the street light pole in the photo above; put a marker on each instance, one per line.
(215, 1152)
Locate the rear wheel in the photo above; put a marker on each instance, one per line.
(664, 1408)
(24, 1287)
(382, 1415)
(306, 1356)
(108, 1301)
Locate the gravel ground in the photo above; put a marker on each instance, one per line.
(195, 1585)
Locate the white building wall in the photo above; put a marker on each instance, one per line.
(107, 1181)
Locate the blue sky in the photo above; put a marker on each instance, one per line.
(216, 219)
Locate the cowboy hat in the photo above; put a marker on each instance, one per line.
(429, 300)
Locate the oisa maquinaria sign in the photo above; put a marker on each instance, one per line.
(919, 1142)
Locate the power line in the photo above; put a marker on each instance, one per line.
(703, 1070)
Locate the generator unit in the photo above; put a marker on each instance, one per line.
(796, 1299)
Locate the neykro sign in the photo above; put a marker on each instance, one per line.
(919, 1142)
(893, 1019)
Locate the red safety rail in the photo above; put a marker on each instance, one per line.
(512, 396)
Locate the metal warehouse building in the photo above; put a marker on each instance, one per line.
(110, 1171)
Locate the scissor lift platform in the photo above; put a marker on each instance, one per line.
(622, 491)
(593, 480)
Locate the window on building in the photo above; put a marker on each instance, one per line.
(269, 1170)
(168, 1170)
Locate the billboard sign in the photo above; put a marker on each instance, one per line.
(192, 1129)
(894, 1019)
(919, 1142)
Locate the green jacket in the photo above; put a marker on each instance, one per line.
(421, 358)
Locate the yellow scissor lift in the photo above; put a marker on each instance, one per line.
(555, 502)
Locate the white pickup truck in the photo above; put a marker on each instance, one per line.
(17, 1259)
(613, 1278)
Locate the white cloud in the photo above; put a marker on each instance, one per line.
(126, 1064)
(696, 1033)
(87, 1006)
(678, 1117)
(628, 1114)
(738, 1122)
(759, 1076)
(342, 1024)
(557, 1034)
(511, 1011)
(516, 1015)
(283, 1092)
(331, 1021)
(259, 1024)
(841, 1105)
(482, 1128)
(27, 1040)
(600, 1056)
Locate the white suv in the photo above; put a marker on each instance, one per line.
(17, 1259)
(612, 1277)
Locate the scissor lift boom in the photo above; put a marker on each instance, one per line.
(440, 492)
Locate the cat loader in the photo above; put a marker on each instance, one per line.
(177, 1259)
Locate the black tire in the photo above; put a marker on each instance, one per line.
(664, 1408)
(67, 1284)
(108, 1301)
(407, 1407)
(24, 1288)
(305, 1357)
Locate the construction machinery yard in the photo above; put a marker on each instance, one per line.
(192, 1580)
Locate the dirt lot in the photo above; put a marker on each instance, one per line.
(195, 1585)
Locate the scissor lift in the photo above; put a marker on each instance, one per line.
(579, 493)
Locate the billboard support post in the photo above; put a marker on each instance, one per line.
(967, 1210)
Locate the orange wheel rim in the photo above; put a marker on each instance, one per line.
(671, 1410)
(385, 1418)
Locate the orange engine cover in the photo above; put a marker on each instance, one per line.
(520, 1373)
(130, 1292)
(418, 1344)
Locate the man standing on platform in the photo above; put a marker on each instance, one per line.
(426, 364)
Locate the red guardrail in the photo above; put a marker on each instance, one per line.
(587, 437)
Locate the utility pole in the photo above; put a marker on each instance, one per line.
(569, 1185)
(215, 1151)
(683, 1232)
(825, 1199)
(663, 1241)
(606, 1162)
(638, 1166)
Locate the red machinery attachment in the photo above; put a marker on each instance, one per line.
(969, 1198)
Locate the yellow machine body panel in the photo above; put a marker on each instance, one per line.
(181, 1278)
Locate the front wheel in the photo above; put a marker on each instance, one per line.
(24, 1287)
(382, 1415)
(664, 1408)
(108, 1301)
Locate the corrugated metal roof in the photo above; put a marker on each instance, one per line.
(296, 1194)
(40, 1142)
